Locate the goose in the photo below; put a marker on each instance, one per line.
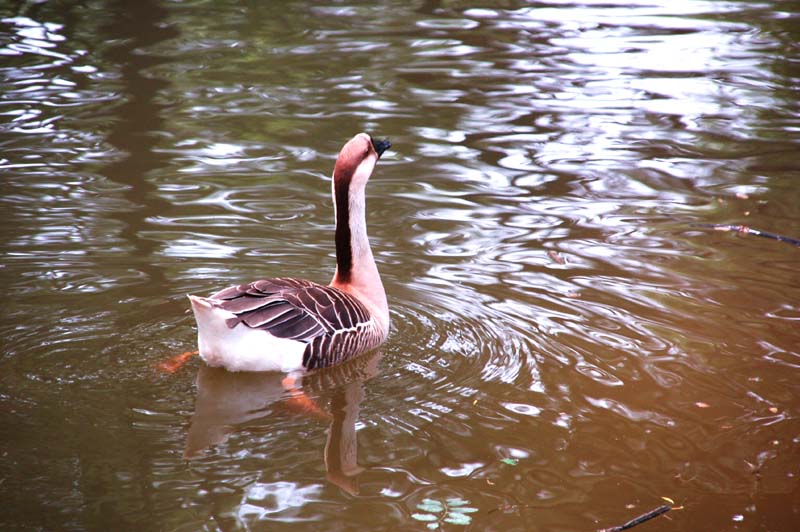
(288, 325)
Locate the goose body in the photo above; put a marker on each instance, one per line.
(286, 324)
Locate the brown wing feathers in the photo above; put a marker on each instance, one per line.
(291, 308)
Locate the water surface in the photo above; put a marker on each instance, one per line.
(567, 347)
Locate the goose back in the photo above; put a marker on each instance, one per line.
(333, 324)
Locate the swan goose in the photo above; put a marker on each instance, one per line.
(286, 324)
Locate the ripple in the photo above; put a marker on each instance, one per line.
(563, 338)
(263, 500)
(448, 24)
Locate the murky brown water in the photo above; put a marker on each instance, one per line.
(566, 349)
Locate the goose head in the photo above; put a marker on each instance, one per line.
(357, 159)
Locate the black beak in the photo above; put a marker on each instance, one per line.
(381, 145)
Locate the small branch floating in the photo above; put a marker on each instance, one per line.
(639, 520)
(746, 230)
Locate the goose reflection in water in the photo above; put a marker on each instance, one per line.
(227, 400)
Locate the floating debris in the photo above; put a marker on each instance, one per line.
(556, 257)
(746, 230)
(639, 520)
(452, 510)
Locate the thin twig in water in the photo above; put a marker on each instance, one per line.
(639, 520)
(509, 507)
(746, 230)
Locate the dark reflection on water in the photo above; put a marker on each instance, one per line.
(566, 349)
(227, 402)
(138, 120)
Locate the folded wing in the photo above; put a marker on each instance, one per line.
(292, 308)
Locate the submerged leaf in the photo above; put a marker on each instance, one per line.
(463, 510)
(430, 505)
(424, 517)
(510, 461)
(433, 526)
(458, 519)
(456, 501)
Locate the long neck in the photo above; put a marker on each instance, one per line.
(356, 271)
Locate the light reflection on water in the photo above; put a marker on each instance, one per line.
(566, 348)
